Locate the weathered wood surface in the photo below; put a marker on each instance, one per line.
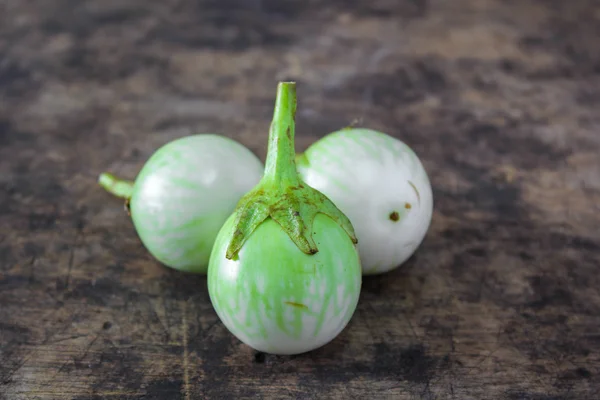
(501, 99)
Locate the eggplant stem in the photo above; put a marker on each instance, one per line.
(120, 188)
(280, 167)
(281, 194)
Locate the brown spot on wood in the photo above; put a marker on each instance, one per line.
(297, 305)
(394, 216)
(505, 173)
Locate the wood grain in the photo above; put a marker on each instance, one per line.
(500, 99)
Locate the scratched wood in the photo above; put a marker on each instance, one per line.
(500, 99)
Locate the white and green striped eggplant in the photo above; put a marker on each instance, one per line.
(183, 195)
(380, 184)
(284, 274)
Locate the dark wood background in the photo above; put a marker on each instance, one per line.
(501, 100)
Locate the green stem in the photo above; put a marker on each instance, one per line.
(280, 167)
(281, 195)
(118, 187)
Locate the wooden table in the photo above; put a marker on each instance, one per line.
(500, 99)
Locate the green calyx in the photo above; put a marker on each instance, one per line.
(281, 194)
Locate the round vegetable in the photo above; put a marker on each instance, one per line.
(380, 184)
(284, 274)
(183, 195)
